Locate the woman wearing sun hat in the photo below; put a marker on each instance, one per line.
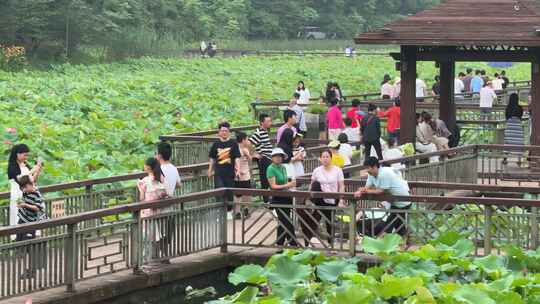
(278, 180)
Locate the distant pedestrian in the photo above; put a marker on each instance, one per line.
(459, 87)
(420, 89)
(497, 83)
(467, 80)
(353, 134)
(393, 114)
(299, 155)
(290, 119)
(277, 177)
(513, 133)
(387, 89)
(477, 82)
(428, 133)
(260, 140)
(371, 132)
(487, 97)
(18, 166)
(300, 125)
(353, 114)
(304, 93)
(243, 179)
(484, 76)
(203, 48)
(397, 87)
(423, 144)
(286, 143)
(224, 160)
(334, 120)
(506, 80)
(345, 149)
(436, 88)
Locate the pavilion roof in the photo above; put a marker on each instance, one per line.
(464, 23)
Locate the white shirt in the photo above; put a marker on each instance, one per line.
(346, 151)
(497, 84)
(487, 95)
(172, 178)
(304, 96)
(459, 86)
(353, 135)
(420, 88)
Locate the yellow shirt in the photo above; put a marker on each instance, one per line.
(338, 160)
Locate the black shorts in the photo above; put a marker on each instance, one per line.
(243, 185)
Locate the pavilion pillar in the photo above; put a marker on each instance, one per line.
(447, 106)
(535, 108)
(408, 95)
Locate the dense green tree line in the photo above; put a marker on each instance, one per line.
(61, 26)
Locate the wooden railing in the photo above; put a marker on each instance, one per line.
(79, 253)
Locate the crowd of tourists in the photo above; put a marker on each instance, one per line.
(280, 160)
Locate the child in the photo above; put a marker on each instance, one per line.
(243, 180)
(31, 209)
(353, 134)
(345, 149)
(337, 159)
(299, 154)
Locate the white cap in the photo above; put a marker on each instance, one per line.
(279, 151)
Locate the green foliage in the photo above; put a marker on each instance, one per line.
(440, 272)
(58, 27)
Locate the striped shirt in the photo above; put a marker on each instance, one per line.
(27, 215)
(261, 141)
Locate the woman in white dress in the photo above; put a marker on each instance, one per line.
(18, 166)
(304, 93)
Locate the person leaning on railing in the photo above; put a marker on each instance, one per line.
(277, 177)
(387, 180)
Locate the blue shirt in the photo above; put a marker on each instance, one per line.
(390, 180)
(476, 84)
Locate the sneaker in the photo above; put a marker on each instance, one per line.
(238, 216)
(246, 212)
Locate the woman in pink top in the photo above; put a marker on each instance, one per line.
(334, 120)
(151, 188)
(330, 178)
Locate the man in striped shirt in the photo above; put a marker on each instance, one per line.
(261, 141)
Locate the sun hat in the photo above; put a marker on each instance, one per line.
(334, 144)
(278, 151)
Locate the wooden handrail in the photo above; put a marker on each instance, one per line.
(422, 199)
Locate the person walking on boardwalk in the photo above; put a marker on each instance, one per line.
(290, 119)
(300, 125)
(513, 134)
(393, 114)
(371, 132)
(334, 120)
(278, 180)
(260, 140)
(224, 160)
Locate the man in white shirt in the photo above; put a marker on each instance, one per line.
(497, 83)
(171, 180)
(420, 89)
(487, 96)
(459, 87)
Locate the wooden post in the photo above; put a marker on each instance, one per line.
(352, 229)
(408, 95)
(534, 228)
(535, 108)
(136, 243)
(488, 213)
(447, 106)
(70, 258)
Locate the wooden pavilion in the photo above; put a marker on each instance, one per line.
(462, 30)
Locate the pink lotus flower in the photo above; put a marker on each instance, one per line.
(11, 130)
(146, 130)
(8, 142)
(28, 301)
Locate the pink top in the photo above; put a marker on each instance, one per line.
(281, 129)
(334, 118)
(329, 180)
(150, 190)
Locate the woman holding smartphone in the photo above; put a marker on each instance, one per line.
(18, 166)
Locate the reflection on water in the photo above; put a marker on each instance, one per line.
(175, 293)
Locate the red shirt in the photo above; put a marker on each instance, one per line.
(355, 117)
(393, 114)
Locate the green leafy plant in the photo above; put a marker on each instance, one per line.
(442, 271)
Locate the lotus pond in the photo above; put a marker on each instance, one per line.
(99, 120)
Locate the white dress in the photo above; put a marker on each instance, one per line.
(15, 195)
